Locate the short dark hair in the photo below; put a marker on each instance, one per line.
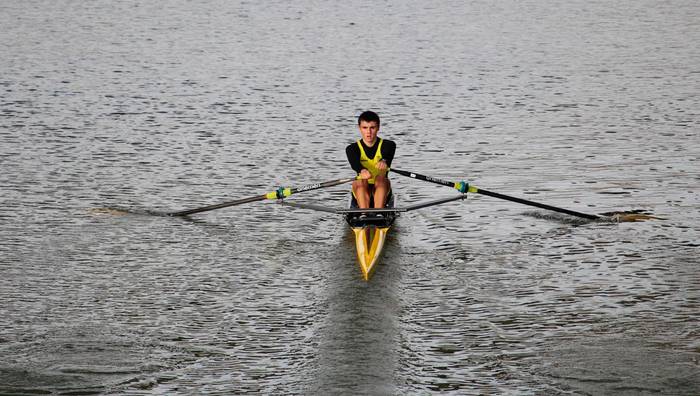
(368, 116)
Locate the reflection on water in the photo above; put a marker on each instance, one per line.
(113, 112)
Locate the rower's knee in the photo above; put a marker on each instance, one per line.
(382, 182)
(360, 184)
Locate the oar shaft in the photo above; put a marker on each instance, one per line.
(536, 204)
(317, 186)
(219, 206)
(423, 177)
(278, 194)
(474, 189)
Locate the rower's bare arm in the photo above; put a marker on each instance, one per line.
(382, 166)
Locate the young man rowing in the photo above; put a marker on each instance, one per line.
(371, 158)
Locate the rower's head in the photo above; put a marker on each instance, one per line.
(368, 123)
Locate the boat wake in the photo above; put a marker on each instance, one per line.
(627, 216)
(558, 217)
(116, 211)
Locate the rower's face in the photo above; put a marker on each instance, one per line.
(369, 130)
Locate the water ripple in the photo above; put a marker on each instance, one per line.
(112, 112)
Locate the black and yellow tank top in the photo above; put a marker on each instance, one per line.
(371, 163)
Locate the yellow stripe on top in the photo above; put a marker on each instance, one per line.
(371, 164)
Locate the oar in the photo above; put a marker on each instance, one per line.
(277, 194)
(466, 187)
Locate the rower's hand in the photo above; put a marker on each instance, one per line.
(364, 174)
(382, 167)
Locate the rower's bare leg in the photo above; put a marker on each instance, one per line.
(382, 186)
(361, 189)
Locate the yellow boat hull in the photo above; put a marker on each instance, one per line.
(369, 249)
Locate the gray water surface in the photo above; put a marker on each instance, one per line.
(162, 106)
